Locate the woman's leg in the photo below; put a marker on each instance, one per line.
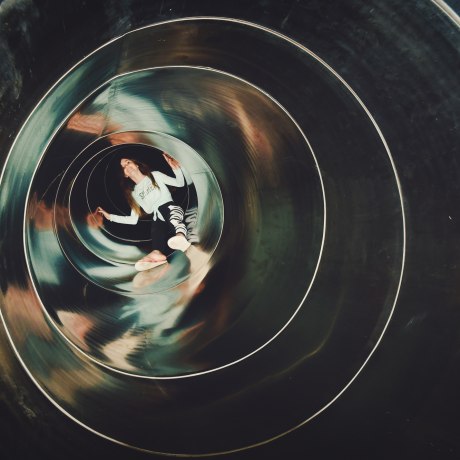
(176, 219)
(174, 216)
(159, 234)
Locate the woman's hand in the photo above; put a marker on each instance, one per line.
(103, 212)
(171, 161)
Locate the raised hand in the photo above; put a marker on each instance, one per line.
(171, 161)
(103, 212)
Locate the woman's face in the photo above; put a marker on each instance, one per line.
(129, 167)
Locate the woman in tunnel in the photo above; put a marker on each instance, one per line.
(147, 191)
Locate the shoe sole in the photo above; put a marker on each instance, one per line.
(142, 266)
(178, 243)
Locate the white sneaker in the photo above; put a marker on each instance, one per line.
(143, 265)
(178, 242)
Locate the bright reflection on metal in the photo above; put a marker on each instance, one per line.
(230, 101)
(158, 339)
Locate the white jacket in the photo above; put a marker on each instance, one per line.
(149, 197)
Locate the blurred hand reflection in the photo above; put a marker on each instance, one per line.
(94, 220)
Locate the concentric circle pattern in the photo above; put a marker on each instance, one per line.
(297, 230)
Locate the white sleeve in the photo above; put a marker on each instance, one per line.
(130, 220)
(177, 181)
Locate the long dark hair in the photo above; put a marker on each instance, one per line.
(127, 184)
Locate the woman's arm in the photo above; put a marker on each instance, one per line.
(178, 180)
(130, 220)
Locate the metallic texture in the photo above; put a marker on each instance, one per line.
(296, 210)
(217, 308)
